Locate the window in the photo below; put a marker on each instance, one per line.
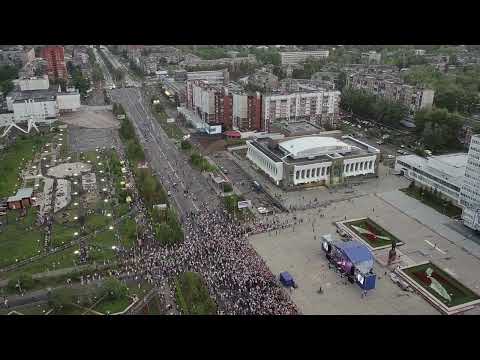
(323, 171)
(371, 164)
(356, 166)
(361, 166)
(308, 173)
(328, 170)
(318, 172)
(303, 174)
(297, 174)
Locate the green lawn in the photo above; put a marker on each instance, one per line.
(192, 295)
(442, 206)
(11, 159)
(113, 306)
(17, 240)
(63, 233)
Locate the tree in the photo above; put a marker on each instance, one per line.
(62, 297)
(113, 289)
(438, 128)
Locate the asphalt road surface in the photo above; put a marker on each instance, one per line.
(168, 163)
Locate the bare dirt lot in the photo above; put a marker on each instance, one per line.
(93, 119)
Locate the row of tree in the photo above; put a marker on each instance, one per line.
(167, 228)
(372, 107)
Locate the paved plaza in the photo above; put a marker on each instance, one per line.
(298, 250)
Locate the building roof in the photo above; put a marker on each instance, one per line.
(450, 168)
(311, 146)
(21, 194)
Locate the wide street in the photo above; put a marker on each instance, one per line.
(168, 163)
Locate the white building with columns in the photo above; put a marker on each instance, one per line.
(313, 159)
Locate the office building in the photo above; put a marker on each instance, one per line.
(298, 57)
(323, 160)
(443, 174)
(470, 192)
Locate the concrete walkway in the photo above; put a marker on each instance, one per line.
(438, 223)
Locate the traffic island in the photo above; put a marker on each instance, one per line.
(368, 232)
(439, 288)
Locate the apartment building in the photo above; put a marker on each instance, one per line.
(211, 76)
(392, 88)
(371, 57)
(320, 107)
(55, 57)
(297, 57)
(246, 109)
(470, 191)
(210, 101)
(16, 56)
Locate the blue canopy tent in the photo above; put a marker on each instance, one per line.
(286, 279)
(355, 254)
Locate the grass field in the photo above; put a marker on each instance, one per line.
(192, 295)
(15, 156)
(459, 294)
(113, 306)
(18, 239)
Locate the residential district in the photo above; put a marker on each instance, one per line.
(239, 179)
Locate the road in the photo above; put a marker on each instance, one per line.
(117, 65)
(168, 163)
(109, 83)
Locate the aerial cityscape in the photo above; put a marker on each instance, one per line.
(239, 179)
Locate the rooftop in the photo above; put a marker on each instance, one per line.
(449, 167)
(312, 146)
(21, 194)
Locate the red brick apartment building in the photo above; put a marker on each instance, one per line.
(55, 57)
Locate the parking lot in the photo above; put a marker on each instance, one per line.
(243, 182)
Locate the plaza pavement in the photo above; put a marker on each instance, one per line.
(297, 251)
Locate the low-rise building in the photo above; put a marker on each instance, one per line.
(34, 83)
(298, 57)
(322, 160)
(443, 173)
(22, 199)
(211, 76)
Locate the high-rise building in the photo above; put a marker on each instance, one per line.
(470, 191)
(55, 57)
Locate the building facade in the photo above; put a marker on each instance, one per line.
(313, 159)
(443, 174)
(247, 111)
(298, 57)
(392, 88)
(470, 192)
(210, 101)
(55, 57)
(34, 83)
(320, 107)
(17, 56)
